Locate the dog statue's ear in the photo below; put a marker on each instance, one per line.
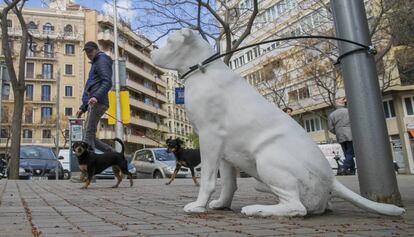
(187, 32)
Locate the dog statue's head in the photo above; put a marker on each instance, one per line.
(184, 48)
(173, 145)
(80, 148)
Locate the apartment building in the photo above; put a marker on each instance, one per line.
(300, 74)
(59, 32)
(177, 121)
(147, 89)
(55, 58)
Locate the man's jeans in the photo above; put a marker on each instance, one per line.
(348, 149)
(95, 112)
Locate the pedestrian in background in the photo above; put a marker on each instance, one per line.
(288, 110)
(339, 124)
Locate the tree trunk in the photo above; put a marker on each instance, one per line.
(16, 132)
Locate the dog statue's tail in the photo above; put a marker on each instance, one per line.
(122, 144)
(385, 209)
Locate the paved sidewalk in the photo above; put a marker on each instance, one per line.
(150, 208)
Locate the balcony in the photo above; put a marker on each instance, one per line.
(45, 56)
(141, 105)
(148, 124)
(141, 72)
(138, 87)
(42, 78)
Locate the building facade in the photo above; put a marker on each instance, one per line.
(177, 121)
(301, 74)
(55, 58)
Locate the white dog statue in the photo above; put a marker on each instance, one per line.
(238, 128)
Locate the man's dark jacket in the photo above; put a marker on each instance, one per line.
(99, 81)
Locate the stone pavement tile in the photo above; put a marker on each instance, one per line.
(64, 235)
(382, 233)
(96, 224)
(329, 235)
(111, 228)
(223, 234)
(162, 232)
(111, 233)
(49, 224)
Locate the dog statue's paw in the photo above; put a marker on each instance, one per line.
(252, 210)
(218, 205)
(194, 207)
(84, 187)
(167, 183)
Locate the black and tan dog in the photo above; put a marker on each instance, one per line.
(189, 158)
(93, 163)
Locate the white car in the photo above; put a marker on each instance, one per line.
(65, 163)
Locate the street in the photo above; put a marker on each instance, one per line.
(150, 208)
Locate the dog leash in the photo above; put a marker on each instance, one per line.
(369, 48)
(139, 133)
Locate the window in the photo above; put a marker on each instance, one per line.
(46, 93)
(389, 108)
(46, 113)
(46, 133)
(69, 91)
(303, 93)
(32, 26)
(48, 28)
(409, 105)
(28, 115)
(9, 23)
(293, 96)
(27, 133)
(68, 111)
(312, 124)
(4, 133)
(70, 49)
(31, 48)
(47, 71)
(68, 69)
(29, 92)
(5, 91)
(48, 50)
(30, 70)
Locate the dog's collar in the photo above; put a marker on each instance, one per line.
(201, 66)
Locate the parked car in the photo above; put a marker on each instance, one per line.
(39, 163)
(157, 163)
(65, 161)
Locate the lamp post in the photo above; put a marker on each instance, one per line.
(118, 124)
(369, 131)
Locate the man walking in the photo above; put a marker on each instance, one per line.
(339, 124)
(95, 95)
(95, 98)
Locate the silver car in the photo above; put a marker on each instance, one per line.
(156, 163)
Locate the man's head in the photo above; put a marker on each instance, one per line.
(288, 110)
(341, 102)
(91, 49)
